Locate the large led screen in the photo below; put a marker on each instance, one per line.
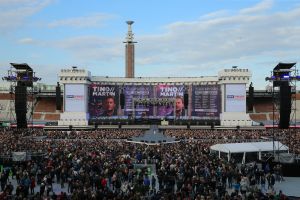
(235, 98)
(206, 101)
(137, 92)
(203, 101)
(74, 98)
(104, 101)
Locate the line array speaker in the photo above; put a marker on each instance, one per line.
(285, 105)
(122, 100)
(186, 100)
(21, 106)
(58, 97)
(251, 98)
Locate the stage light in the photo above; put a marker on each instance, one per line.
(286, 77)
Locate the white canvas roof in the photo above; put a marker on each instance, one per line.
(248, 147)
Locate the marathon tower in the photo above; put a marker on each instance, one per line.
(129, 51)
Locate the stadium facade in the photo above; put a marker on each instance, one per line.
(219, 99)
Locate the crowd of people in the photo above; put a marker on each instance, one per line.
(291, 137)
(100, 164)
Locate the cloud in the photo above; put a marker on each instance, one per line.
(26, 41)
(13, 2)
(221, 38)
(14, 13)
(93, 20)
(216, 14)
(91, 47)
(262, 6)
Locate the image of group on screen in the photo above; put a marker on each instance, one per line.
(108, 107)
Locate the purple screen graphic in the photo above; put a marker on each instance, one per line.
(206, 101)
(132, 92)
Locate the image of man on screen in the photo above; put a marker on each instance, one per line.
(109, 107)
(179, 107)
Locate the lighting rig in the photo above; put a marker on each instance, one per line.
(21, 77)
(283, 76)
(283, 72)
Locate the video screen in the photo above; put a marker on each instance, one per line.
(103, 101)
(235, 98)
(74, 98)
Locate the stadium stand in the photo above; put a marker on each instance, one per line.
(45, 104)
(258, 117)
(297, 96)
(44, 107)
(52, 117)
(276, 116)
(263, 106)
(37, 116)
(5, 96)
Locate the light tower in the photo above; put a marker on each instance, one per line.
(129, 52)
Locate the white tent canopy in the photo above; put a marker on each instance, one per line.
(248, 147)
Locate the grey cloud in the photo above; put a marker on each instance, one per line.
(14, 13)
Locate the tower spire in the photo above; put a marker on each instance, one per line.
(129, 51)
(129, 37)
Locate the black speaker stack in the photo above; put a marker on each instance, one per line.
(58, 97)
(122, 100)
(285, 105)
(281, 77)
(21, 105)
(186, 100)
(250, 98)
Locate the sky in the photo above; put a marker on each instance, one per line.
(174, 38)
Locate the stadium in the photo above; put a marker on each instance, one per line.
(97, 137)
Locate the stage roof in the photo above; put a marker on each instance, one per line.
(21, 66)
(249, 147)
(284, 66)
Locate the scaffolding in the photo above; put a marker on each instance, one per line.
(21, 75)
(283, 73)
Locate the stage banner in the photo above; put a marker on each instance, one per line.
(138, 92)
(174, 92)
(103, 101)
(206, 101)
